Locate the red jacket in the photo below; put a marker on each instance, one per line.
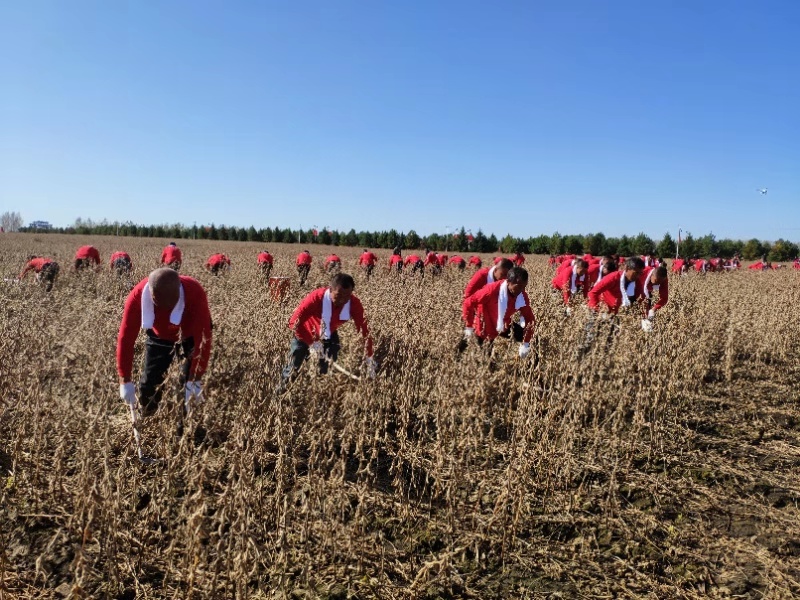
(195, 323)
(264, 258)
(412, 260)
(304, 258)
(117, 255)
(394, 259)
(368, 259)
(171, 254)
(457, 260)
(663, 290)
(480, 311)
(518, 259)
(35, 264)
(89, 252)
(760, 266)
(306, 320)
(332, 259)
(562, 282)
(442, 259)
(478, 280)
(218, 259)
(608, 291)
(475, 260)
(431, 259)
(496, 259)
(593, 275)
(796, 264)
(677, 264)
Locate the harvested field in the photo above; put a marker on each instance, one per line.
(664, 467)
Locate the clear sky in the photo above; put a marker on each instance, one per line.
(519, 117)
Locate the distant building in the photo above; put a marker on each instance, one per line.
(40, 225)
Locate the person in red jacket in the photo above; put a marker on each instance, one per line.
(518, 259)
(218, 263)
(173, 311)
(458, 262)
(488, 312)
(618, 289)
(570, 281)
(333, 264)
(303, 263)
(654, 281)
(475, 262)
(432, 261)
(487, 275)
(703, 266)
(396, 260)
(86, 257)
(46, 270)
(762, 265)
(367, 262)
(265, 263)
(415, 262)
(796, 264)
(598, 270)
(121, 263)
(172, 257)
(315, 322)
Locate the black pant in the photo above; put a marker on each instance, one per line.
(299, 351)
(368, 270)
(158, 356)
(83, 263)
(266, 268)
(48, 275)
(302, 271)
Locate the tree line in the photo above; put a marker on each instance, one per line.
(593, 243)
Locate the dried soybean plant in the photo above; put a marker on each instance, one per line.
(659, 463)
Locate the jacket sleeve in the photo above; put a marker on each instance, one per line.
(475, 284)
(471, 303)
(128, 332)
(360, 321)
(663, 296)
(306, 307)
(597, 290)
(201, 320)
(530, 322)
(28, 267)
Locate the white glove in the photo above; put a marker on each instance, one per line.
(568, 311)
(194, 389)
(524, 350)
(317, 349)
(127, 392)
(651, 314)
(647, 325)
(372, 367)
(469, 332)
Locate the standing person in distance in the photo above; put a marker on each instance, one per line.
(303, 263)
(46, 270)
(86, 257)
(315, 322)
(488, 312)
(173, 311)
(265, 263)
(172, 257)
(367, 262)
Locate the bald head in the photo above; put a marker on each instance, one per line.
(165, 286)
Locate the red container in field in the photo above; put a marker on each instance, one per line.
(278, 286)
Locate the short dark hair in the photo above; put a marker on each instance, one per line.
(661, 272)
(505, 263)
(579, 262)
(343, 280)
(634, 263)
(517, 275)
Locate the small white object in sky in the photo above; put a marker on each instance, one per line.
(763, 191)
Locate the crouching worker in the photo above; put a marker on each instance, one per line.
(488, 312)
(315, 321)
(46, 270)
(173, 311)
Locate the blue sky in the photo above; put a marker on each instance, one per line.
(521, 118)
